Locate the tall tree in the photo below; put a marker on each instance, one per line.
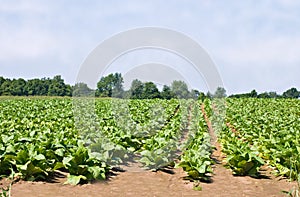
(291, 93)
(68, 90)
(209, 95)
(273, 94)
(57, 87)
(38, 87)
(18, 87)
(150, 91)
(220, 93)
(253, 94)
(167, 93)
(2, 80)
(110, 86)
(194, 94)
(82, 89)
(32, 87)
(180, 89)
(5, 88)
(136, 89)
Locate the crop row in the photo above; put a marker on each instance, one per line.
(260, 131)
(86, 138)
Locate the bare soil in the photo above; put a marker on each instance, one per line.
(146, 183)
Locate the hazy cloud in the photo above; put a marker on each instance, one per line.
(255, 44)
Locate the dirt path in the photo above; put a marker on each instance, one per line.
(225, 184)
(157, 184)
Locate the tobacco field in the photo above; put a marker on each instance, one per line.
(40, 135)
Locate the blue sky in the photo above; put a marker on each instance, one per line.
(254, 44)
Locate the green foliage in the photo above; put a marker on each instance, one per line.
(82, 89)
(180, 89)
(38, 137)
(167, 93)
(136, 89)
(35, 87)
(252, 94)
(295, 191)
(195, 94)
(159, 150)
(150, 91)
(265, 129)
(83, 166)
(57, 87)
(241, 158)
(291, 93)
(268, 95)
(195, 159)
(220, 93)
(110, 86)
(197, 186)
(140, 90)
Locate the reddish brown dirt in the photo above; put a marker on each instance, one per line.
(158, 184)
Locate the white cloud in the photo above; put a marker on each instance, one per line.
(281, 50)
(239, 34)
(23, 7)
(25, 43)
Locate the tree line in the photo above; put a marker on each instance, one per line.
(35, 87)
(112, 86)
(290, 93)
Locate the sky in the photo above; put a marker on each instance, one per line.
(254, 44)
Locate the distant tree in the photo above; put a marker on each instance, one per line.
(273, 94)
(239, 96)
(118, 89)
(5, 88)
(136, 89)
(180, 89)
(126, 94)
(18, 87)
(105, 86)
(150, 91)
(253, 94)
(194, 94)
(68, 90)
(57, 87)
(263, 95)
(220, 93)
(37, 87)
(81, 89)
(32, 87)
(110, 86)
(44, 85)
(167, 93)
(2, 80)
(209, 95)
(291, 93)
